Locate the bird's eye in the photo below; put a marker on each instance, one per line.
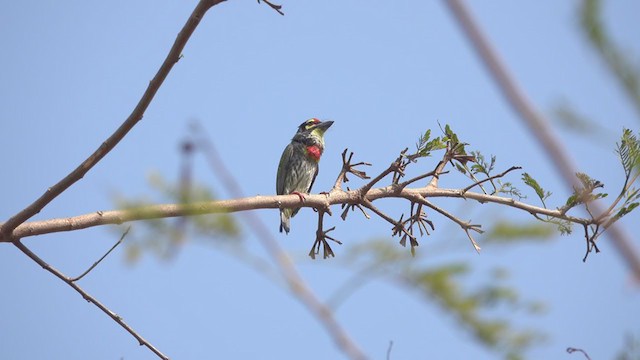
(311, 122)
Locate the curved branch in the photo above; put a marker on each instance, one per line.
(136, 115)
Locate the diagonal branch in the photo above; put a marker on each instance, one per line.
(275, 7)
(465, 225)
(490, 178)
(103, 256)
(136, 115)
(89, 298)
(537, 123)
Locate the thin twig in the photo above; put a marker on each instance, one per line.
(398, 226)
(491, 178)
(418, 178)
(103, 256)
(89, 298)
(366, 203)
(465, 225)
(275, 7)
(628, 183)
(537, 123)
(364, 189)
(571, 350)
(439, 170)
(136, 115)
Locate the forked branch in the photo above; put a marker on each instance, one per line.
(71, 282)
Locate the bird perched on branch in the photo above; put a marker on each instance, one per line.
(298, 166)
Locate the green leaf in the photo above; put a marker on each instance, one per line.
(585, 193)
(531, 182)
(629, 151)
(626, 209)
(505, 231)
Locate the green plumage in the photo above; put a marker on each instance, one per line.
(298, 165)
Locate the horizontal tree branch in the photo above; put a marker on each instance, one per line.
(320, 201)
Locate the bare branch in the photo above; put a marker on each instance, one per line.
(590, 240)
(367, 203)
(321, 239)
(439, 170)
(103, 256)
(135, 116)
(392, 168)
(571, 350)
(465, 225)
(273, 6)
(89, 298)
(398, 226)
(271, 202)
(419, 177)
(491, 178)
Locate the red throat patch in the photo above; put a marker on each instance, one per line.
(314, 152)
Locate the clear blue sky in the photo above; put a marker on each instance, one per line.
(71, 72)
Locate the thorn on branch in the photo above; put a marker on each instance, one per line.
(348, 167)
(400, 164)
(321, 239)
(473, 242)
(466, 226)
(419, 217)
(275, 7)
(351, 207)
(351, 168)
(399, 229)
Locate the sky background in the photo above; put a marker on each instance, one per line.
(72, 71)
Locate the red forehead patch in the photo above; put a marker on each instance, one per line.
(314, 120)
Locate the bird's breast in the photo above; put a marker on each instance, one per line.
(314, 152)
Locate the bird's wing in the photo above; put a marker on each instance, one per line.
(283, 168)
(315, 173)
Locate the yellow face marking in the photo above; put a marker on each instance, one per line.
(311, 122)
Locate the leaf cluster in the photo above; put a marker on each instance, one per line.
(164, 236)
(447, 286)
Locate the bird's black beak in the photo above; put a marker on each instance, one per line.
(324, 125)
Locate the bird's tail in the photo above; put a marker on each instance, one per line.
(285, 220)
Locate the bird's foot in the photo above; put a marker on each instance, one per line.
(300, 195)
